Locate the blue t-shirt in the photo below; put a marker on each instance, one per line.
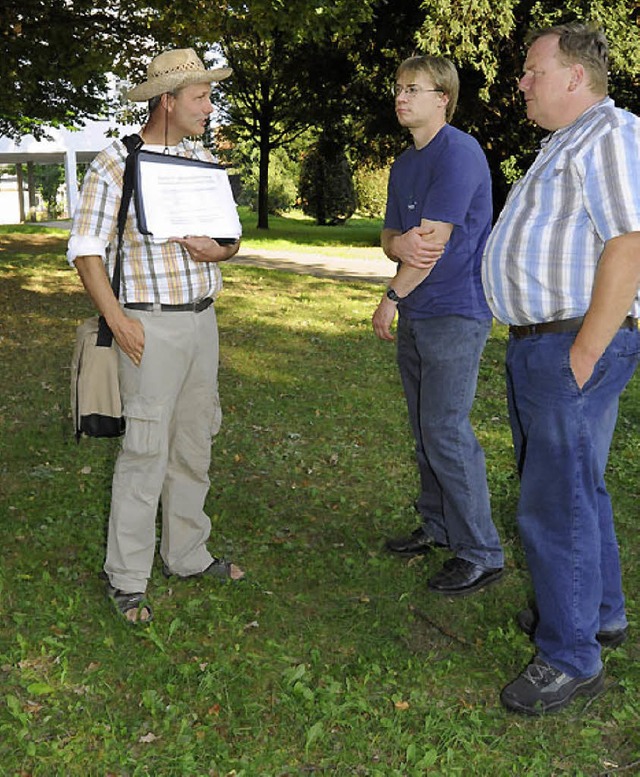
(447, 180)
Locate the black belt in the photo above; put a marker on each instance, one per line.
(566, 325)
(189, 307)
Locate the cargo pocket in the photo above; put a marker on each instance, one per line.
(142, 435)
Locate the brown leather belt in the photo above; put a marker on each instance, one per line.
(566, 325)
(190, 307)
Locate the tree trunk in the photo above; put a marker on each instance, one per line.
(263, 181)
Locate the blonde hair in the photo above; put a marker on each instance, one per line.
(441, 71)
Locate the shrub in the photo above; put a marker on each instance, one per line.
(48, 180)
(283, 175)
(371, 190)
(326, 184)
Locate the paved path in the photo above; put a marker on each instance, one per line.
(377, 268)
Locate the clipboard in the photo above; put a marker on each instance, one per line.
(176, 197)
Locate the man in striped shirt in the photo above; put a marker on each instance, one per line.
(165, 328)
(562, 268)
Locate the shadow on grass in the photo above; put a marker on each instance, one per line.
(332, 658)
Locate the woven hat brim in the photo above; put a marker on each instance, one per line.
(169, 82)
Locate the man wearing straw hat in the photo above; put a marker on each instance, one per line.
(165, 328)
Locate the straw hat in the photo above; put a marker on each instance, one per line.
(173, 69)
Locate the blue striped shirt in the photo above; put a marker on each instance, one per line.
(582, 190)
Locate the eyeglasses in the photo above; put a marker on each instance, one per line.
(412, 90)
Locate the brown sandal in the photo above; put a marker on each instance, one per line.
(126, 603)
(219, 568)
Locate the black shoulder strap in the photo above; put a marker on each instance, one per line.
(133, 143)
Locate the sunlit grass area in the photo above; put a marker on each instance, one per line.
(332, 658)
(358, 238)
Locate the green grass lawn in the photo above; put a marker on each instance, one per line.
(332, 658)
(358, 238)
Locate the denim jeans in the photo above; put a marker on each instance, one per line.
(438, 360)
(561, 436)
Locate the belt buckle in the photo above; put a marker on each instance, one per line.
(526, 330)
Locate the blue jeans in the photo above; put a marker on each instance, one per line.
(561, 436)
(438, 360)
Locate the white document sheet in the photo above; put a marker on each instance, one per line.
(177, 197)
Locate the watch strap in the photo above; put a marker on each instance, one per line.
(392, 295)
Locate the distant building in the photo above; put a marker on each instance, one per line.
(66, 147)
(11, 210)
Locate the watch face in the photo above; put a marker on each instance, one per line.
(391, 294)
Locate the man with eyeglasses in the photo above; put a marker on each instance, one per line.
(437, 220)
(562, 268)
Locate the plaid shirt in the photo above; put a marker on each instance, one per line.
(150, 272)
(582, 190)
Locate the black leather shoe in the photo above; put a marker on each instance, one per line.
(528, 620)
(416, 544)
(459, 576)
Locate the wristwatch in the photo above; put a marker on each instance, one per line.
(391, 294)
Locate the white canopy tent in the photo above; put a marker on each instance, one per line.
(67, 147)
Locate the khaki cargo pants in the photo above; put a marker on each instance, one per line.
(172, 411)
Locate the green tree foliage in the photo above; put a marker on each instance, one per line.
(300, 65)
(468, 30)
(284, 173)
(55, 56)
(48, 179)
(268, 44)
(371, 189)
(326, 185)
(486, 39)
(347, 92)
(349, 80)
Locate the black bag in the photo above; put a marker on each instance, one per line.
(96, 407)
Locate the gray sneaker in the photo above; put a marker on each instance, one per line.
(542, 688)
